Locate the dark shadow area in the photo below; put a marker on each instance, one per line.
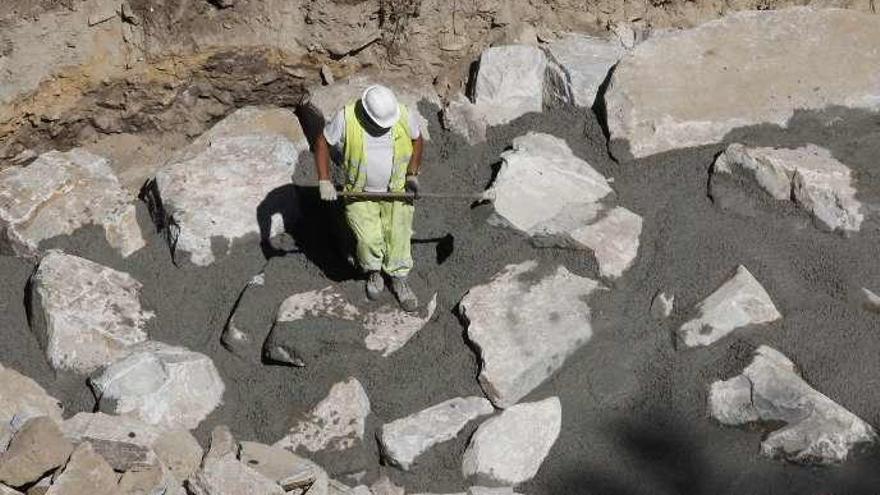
(318, 229)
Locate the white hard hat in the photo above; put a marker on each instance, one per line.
(381, 105)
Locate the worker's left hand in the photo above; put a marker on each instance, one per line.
(412, 185)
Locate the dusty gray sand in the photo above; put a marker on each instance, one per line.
(634, 407)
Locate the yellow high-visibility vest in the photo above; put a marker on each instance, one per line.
(356, 158)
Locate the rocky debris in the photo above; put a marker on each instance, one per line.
(21, 397)
(322, 102)
(510, 448)
(662, 305)
(85, 315)
(869, 301)
(403, 440)
(552, 321)
(510, 82)
(336, 423)
(817, 430)
(222, 473)
(544, 190)
(131, 445)
(59, 193)
(161, 385)
(86, 473)
(585, 62)
(213, 188)
(289, 470)
(36, 449)
(390, 328)
(692, 87)
(809, 176)
(739, 302)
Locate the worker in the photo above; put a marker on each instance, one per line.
(380, 145)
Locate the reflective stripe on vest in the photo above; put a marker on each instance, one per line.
(356, 158)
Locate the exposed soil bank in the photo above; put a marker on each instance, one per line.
(634, 406)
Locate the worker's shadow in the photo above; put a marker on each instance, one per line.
(294, 221)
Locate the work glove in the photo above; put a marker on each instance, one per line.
(412, 185)
(327, 190)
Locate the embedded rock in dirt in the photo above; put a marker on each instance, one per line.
(817, 430)
(552, 320)
(463, 117)
(544, 190)
(336, 423)
(161, 385)
(85, 315)
(59, 193)
(130, 445)
(510, 448)
(21, 397)
(585, 62)
(688, 88)
(510, 82)
(86, 473)
(213, 188)
(739, 302)
(809, 176)
(289, 470)
(662, 306)
(322, 102)
(403, 440)
(390, 328)
(384, 486)
(37, 448)
(869, 301)
(222, 473)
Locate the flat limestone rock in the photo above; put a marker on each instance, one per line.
(817, 430)
(86, 473)
(552, 320)
(161, 385)
(336, 423)
(403, 440)
(287, 469)
(36, 449)
(544, 190)
(739, 302)
(85, 315)
(510, 448)
(689, 88)
(585, 62)
(130, 445)
(59, 193)
(510, 82)
(213, 188)
(22, 397)
(809, 176)
(390, 328)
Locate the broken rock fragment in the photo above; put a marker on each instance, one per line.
(739, 302)
(817, 430)
(390, 328)
(510, 448)
(85, 315)
(222, 473)
(86, 473)
(524, 323)
(336, 423)
(809, 176)
(585, 61)
(662, 305)
(59, 193)
(289, 470)
(21, 397)
(36, 449)
(510, 82)
(161, 385)
(403, 440)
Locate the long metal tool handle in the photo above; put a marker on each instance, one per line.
(408, 196)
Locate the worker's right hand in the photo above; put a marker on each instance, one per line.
(327, 190)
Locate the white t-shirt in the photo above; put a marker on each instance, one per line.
(379, 150)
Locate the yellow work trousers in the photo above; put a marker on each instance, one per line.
(383, 230)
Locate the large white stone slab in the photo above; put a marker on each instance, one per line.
(21, 397)
(525, 323)
(510, 448)
(689, 88)
(809, 176)
(403, 440)
(161, 385)
(817, 430)
(739, 302)
(336, 423)
(59, 193)
(585, 62)
(510, 82)
(85, 315)
(212, 189)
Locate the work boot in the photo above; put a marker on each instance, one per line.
(375, 285)
(405, 296)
